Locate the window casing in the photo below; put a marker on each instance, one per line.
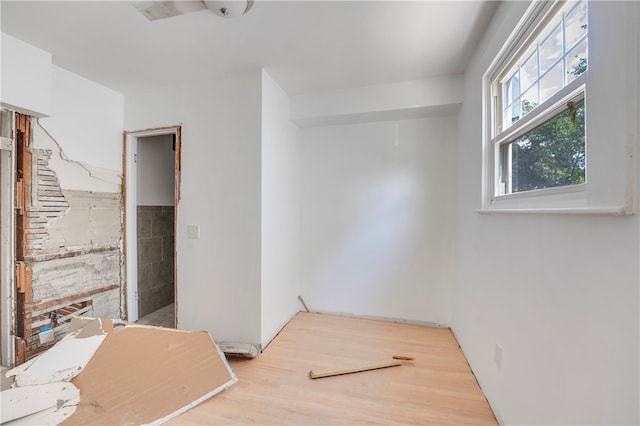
(538, 90)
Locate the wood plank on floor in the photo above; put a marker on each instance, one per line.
(275, 388)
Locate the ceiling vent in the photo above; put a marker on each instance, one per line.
(155, 10)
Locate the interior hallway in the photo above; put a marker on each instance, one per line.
(275, 388)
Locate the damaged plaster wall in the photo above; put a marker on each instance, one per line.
(87, 195)
(72, 210)
(75, 234)
(74, 251)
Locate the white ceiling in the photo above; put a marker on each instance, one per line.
(306, 46)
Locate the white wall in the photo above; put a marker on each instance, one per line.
(86, 125)
(558, 293)
(280, 264)
(25, 84)
(218, 283)
(384, 102)
(87, 118)
(83, 118)
(378, 228)
(156, 171)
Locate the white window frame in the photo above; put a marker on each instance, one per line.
(611, 170)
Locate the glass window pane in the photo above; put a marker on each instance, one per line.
(552, 154)
(512, 89)
(511, 114)
(511, 99)
(529, 71)
(551, 49)
(576, 24)
(529, 100)
(551, 82)
(577, 61)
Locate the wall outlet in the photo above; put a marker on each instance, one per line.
(193, 231)
(497, 356)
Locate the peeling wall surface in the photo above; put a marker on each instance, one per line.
(73, 252)
(75, 175)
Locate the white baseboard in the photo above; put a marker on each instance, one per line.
(380, 318)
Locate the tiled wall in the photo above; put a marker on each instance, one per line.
(155, 258)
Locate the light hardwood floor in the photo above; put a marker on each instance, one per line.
(275, 388)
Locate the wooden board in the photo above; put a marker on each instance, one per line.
(358, 368)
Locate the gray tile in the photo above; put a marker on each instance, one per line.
(168, 249)
(154, 298)
(162, 224)
(149, 209)
(163, 272)
(163, 317)
(168, 209)
(165, 295)
(145, 302)
(144, 225)
(145, 277)
(149, 250)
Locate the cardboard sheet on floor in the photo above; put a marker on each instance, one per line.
(125, 374)
(148, 375)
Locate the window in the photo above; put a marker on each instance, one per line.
(537, 141)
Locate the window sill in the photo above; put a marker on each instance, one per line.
(606, 211)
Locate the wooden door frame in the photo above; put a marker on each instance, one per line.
(129, 196)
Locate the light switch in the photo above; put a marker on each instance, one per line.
(193, 231)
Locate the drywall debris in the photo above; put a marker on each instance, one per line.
(64, 360)
(149, 375)
(244, 350)
(121, 374)
(47, 404)
(5, 382)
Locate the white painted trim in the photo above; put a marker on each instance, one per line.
(131, 216)
(578, 190)
(266, 342)
(6, 144)
(535, 17)
(7, 253)
(131, 226)
(550, 108)
(496, 413)
(196, 402)
(609, 211)
(378, 318)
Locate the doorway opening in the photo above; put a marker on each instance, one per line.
(152, 193)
